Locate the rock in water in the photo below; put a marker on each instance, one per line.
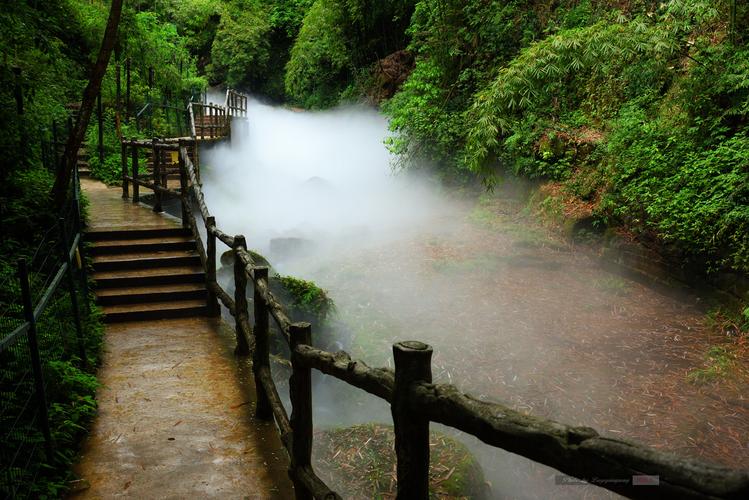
(227, 258)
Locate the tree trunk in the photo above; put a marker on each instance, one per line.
(70, 158)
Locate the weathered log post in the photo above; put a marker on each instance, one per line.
(79, 224)
(210, 272)
(300, 388)
(136, 186)
(125, 193)
(127, 89)
(261, 354)
(65, 251)
(156, 156)
(412, 364)
(240, 297)
(210, 120)
(184, 193)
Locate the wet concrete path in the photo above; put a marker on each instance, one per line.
(175, 407)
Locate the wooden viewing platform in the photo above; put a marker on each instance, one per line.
(176, 414)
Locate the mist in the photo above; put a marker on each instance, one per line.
(308, 183)
(513, 314)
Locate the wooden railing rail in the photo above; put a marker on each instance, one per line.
(158, 179)
(416, 401)
(209, 121)
(236, 103)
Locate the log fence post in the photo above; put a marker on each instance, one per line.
(127, 89)
(184, 190)
(156, 157)
(125, 193)
(240, 297)
(79, 223)
(65, 249)
(261, 354)
(412, 364)
(134, 166)
(210, 272)
(300, 388)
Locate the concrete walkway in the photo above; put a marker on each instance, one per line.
(175, 407)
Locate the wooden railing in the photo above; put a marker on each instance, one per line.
(213, 121)
(209, 121)
(414, 399)
(236, 103)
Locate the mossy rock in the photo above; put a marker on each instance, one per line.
(305, 300)
(360, 460)
(227, 258)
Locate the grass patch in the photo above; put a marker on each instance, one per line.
(719, 362)
(361, 460)
(613, 285)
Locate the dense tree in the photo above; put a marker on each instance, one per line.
(75, 139)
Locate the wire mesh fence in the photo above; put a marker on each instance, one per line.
(43, 344)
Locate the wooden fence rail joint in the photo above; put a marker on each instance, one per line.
(240, 299)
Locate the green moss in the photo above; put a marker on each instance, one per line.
(307, 301)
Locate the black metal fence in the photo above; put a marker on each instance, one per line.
(42, 309)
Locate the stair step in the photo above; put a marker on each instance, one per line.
(154, 311)
(154, 262)
(137, 234)
(177, 287)
(146, 295)
(120, 247)
(148, 277)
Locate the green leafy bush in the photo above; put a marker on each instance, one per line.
(240, 51)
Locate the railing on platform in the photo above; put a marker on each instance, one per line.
(236, 103)
(213, 121)
(415, 401)
(209, 121)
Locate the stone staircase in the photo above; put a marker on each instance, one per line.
(147, 274)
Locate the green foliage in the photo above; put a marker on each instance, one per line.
(642, 112)
(197, 21)
(240, 51)
(286, 16)
(308, 302)
(458, 46)
(320, 59)
(338, 38)
(719, 362)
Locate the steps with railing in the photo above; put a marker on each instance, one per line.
(147, 274)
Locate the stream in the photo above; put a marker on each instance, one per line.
(514, 313)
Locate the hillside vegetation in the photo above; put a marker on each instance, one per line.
(635, 111)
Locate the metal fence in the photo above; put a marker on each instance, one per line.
(41, 311)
